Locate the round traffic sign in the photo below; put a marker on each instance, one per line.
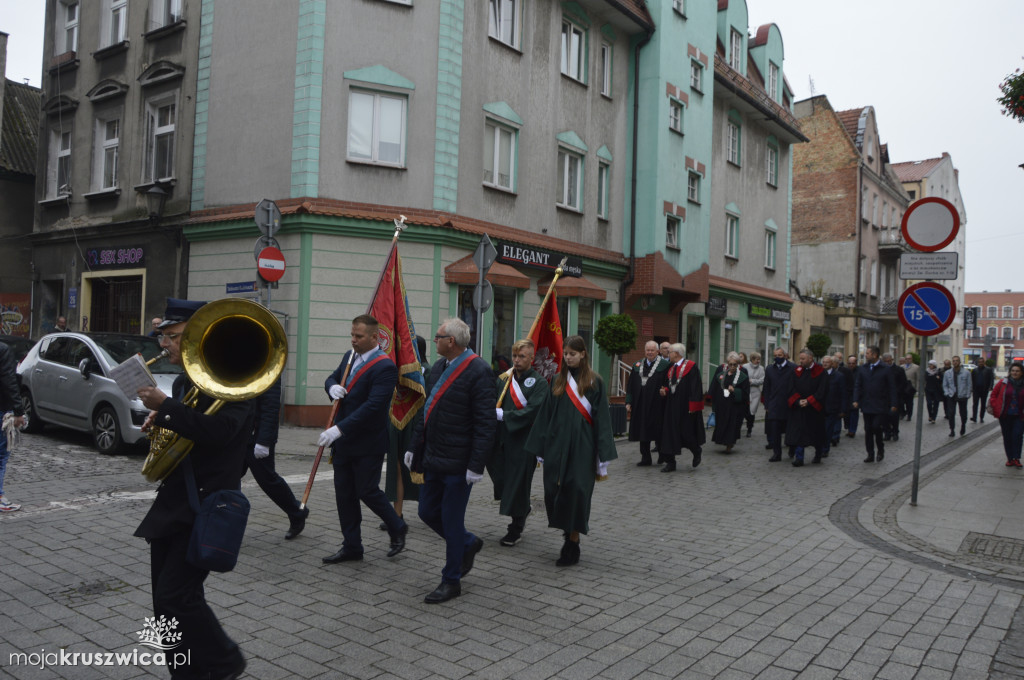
(930, 224)
(270, 264)
(926, 308)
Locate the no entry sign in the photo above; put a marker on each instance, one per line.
(270, 264)
(926, 308)
(930, 224)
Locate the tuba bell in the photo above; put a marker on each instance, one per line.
(231, 350)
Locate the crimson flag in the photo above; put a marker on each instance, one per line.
(547, 338)
(398, 340)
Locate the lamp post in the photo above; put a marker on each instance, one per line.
(156, 199)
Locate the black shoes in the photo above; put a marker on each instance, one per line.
(952, 433)
(817, 459)
(645, 462)
(443, 593)
(851, 434)
(775, 459)
(887, 437)
(398, 541)
(342, 556)
(570, 554)
(696, 457)
(296, 525)
(516, 526)
(670, 465)
(799, 462)
(469, 555)
(895, 437)
(870, 458)
(974, 420)
(881, 456)
(963, 430)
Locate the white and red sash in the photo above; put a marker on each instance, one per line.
(578, 400)
(516, 392)
(354, 378)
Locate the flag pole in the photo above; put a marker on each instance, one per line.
(536, 320)
(399, 228)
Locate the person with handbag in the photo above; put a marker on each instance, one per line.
(216, 462)
(1007, 405)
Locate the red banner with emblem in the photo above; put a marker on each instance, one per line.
(547, 338)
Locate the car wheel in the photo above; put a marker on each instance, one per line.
(35, 425)
(106, 431)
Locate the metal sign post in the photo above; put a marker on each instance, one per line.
(922, 380)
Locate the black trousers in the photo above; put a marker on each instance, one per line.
(776, 430)
(978, 397)
(178, 594)
(357, 478)
(953, 404)
(272, 483)
(874, 428)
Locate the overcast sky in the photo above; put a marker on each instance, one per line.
(931, 69)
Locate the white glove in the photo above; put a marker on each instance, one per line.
(540, 461)
(328, 436)
(602, 469)
(337, 392)
(472, 477)
(408, 459)
(260, 451)
(501, 414)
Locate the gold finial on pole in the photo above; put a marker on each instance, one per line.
(399, 226)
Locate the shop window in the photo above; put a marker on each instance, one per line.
(503, 329)
(585, 323)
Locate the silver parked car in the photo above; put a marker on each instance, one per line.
(65, 381)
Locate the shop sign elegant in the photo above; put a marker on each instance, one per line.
(538, 258)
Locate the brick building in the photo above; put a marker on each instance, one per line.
(999, 333)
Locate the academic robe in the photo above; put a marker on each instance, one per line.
(646, 405)
(730, 411)
(571, 448)
(807, 424)
(510, 467)
(683, 424)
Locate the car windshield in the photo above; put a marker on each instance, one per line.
(119, 347)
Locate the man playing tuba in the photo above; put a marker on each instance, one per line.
(217, 459)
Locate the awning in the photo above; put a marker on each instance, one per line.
(655, 277)
(572, 286)
(465, 272)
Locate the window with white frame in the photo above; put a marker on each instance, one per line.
(1020, 312)
(1007, 333)
(164, 13)
(603, 187)
(769, 248)
(67, 37)
(606, 69)
(503, 22)
(574, 51)
(993, 312)
(58, 178)
(675, 115)
(693, 187)
(771, 162)
(161, 120)
(732, 142)
(106, 148)
(671, 231)
(499, 156)
(115, 15)
(696, 75)
(736, 49)
(732, 236)
(1020, 333)
(991, 331)
(1007, 312)
(773, 81)
(376, 128)
(570, 180)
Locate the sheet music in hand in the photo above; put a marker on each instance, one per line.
(132, 374)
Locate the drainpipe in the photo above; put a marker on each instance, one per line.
(632, 197)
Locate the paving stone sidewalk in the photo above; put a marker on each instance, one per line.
(737, 569)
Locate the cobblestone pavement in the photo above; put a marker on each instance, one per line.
(737, 569)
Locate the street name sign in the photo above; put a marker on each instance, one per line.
(926, 308)
(935, 266)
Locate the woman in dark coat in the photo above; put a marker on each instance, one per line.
(729, 390)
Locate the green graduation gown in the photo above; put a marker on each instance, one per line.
(571, 448)
(510, 467)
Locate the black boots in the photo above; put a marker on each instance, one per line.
(570, 554)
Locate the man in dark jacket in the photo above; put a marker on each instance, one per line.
(451, 446)
(852, 417)
(982, 379)
(218, 452)
(364, 382)
(259, 459)
(778, 386)
(899, 377)
(874, 393)
(835, 403)
(10, 400)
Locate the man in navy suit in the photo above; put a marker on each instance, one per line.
(451, 446)
(778, 386)
(835, 403)
(874, 393)
(359, 439)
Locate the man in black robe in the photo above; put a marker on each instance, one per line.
(643, 403)
(806, 426)
(683, 394)
(778, 386)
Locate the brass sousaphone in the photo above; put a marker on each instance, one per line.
(231, 350)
